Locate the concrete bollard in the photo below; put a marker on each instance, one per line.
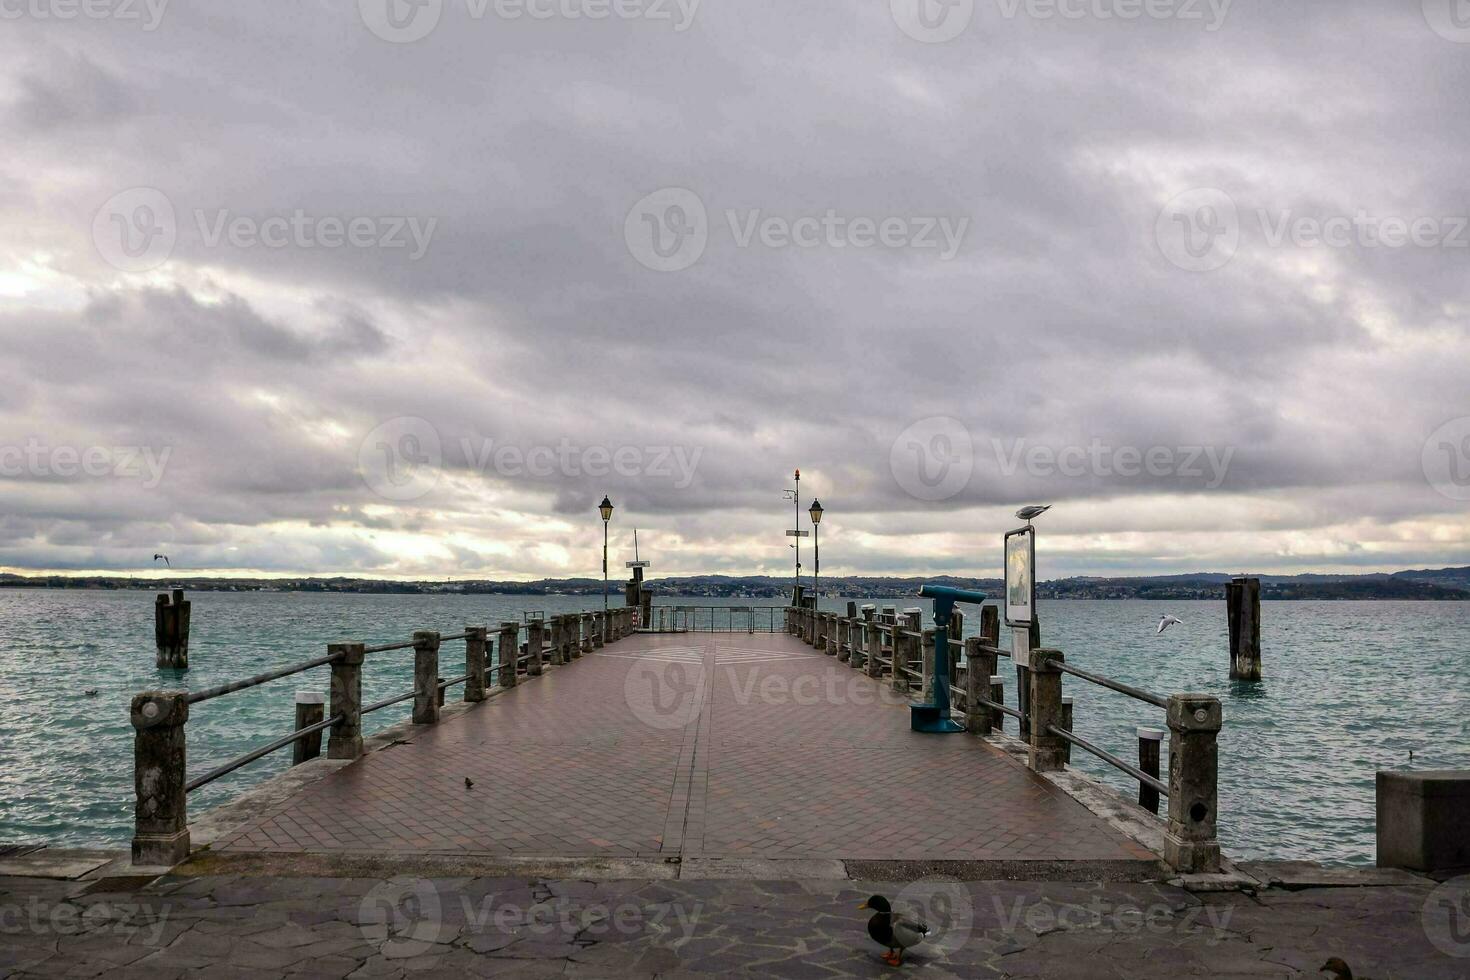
(1190, 845)
(510, 652)
(1148, 760)
(979, 668)
(160, 818)
(1243, 610)
(311, 709)
(171, 630)
(474, 662)
(998, 695)
(425, 677)
(1045, 754)
(534, 642)
(344, 739)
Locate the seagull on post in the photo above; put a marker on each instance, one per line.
(1032, 511)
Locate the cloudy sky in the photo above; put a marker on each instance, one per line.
(403, 289)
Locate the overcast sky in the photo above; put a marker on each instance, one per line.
(392, 289)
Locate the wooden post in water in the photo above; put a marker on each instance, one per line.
(425, 677)
(474, 662)
(160, 821)
(510, 652)
(1148, 761)
(1045, 706)
(1190, 844)
(171, 630)
(311, 708)
(1243, 608)
(345, 737)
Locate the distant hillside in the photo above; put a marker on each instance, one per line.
(1426, 584)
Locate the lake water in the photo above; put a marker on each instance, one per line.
(1351, 687)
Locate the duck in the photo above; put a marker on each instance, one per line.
(896, 932)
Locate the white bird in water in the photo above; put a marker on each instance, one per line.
(1166, 621)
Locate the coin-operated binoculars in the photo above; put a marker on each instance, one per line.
(933, 716)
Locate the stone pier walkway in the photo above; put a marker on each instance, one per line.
(740, 746)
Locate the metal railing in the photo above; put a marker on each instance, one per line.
(714, 619)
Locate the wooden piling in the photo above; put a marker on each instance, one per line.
(1243, 610)
(171, 616)
(1066, 726)
(1148, 760)
(998, 695)
(311, 708)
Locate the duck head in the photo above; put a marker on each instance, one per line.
(878, 904)
(1337, 969)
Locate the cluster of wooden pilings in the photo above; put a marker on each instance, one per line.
(501, 659)
(893, 645)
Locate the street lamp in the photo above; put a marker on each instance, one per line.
(606, 508)
(816, 512)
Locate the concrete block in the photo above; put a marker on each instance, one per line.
(1424, 819)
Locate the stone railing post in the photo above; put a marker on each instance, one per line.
(872, 666)
(311, 708)
(555, 628)
(979, 668)
(1190, 845)
(599, 629)
(534, 629)
(425, 677)
(474, 662)
(1149, 740)
(926, 665)
(510, 652)
(998, 695)
(160, 819)
(844, 639)
(344, 740)
(588, 632)
(1046, 711)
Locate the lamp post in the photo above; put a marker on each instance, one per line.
(796, 532)
(816, 512)
(606, 508)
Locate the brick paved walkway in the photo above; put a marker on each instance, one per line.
(694, 745)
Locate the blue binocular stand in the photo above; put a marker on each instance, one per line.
(934, 716)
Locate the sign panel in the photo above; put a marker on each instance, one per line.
(1020, 554)
(798, 534)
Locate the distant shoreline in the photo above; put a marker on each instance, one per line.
(1447, 584)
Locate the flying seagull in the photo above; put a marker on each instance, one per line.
(1032, 511)
(1166, 621)
(165, 560)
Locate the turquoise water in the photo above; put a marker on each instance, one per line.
(1351, 687)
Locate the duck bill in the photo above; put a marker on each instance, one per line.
(862, 906)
